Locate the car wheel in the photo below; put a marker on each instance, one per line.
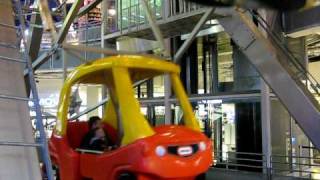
(56, 174)
(201, 177)
(127, 176)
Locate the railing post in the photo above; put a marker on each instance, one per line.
(299, 161)
(166, 9)
(269, 169)
(120, 15)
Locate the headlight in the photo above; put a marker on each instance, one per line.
(161, 151)
(202, 146)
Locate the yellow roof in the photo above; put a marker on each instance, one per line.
(140, 67)
(118, 73)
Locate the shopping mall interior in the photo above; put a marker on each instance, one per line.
(188, 89)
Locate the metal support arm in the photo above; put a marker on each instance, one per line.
(192, 36)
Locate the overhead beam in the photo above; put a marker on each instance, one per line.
(166, 52)
(98, 50)
(47, 19)
(41, 60)
(72, 14)
(85, 9)
(35, 35)
(175, 100)
(185, 46)
(33, 42)
(155, 28)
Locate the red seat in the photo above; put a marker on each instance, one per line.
(75, 133)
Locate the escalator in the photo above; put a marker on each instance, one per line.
(296, 88)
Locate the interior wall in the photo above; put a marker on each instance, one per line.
(280, 132)
(280, 121)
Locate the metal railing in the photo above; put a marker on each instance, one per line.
(130, 18)
(240, 161)
(281, 165)
(296, 166)
(133, 17)
(90, 33)
(300, 72)
(181, 7)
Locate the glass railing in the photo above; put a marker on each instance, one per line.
(131, 17)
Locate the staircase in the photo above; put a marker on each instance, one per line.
(18, 154)
(289, 80)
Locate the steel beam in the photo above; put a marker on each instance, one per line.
(61, 36)
(104, 23)
(271, 59)
(166, 52)
(34, 38)
(8, 26)
(167, 103)
(97, 50)
(155, 28)
(72, 14)
(105, 51)
(174, 100)
(85, 9)
(47, 18)
(3, 143)
(64, 65)
(192, 36)
(40, 60)
(266, 125)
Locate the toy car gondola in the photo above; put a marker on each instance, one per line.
(145, 152)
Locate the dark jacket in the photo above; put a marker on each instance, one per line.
(85, 143)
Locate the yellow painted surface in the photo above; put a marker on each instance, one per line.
(110, 115)
(189, 118)
(134, 125)
(118, 73)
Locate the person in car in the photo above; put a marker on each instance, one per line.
(93, 123)
(99, 142)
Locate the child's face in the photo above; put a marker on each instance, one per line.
(100, 133)
(97, 124)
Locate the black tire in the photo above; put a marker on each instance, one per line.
(57, 175)
(127, 176)
(201, 177)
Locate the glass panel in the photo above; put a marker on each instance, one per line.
(84, 96)
(178, 115)
(225, 61)
(141, 91)
(158, 86)
(217, 121)
(201, 66)
(133, 13)
(159, 115)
